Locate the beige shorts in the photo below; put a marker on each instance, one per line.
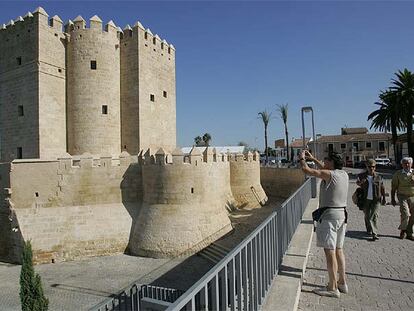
(330, 234)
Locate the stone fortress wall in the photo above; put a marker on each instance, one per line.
(85, 206)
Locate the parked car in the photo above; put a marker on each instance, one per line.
(383, 162)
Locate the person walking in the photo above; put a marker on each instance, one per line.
(331, 227)
(374, 193)
(403, 185)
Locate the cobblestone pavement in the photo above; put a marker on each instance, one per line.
(380, 274)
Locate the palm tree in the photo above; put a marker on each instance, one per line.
(403, 85)
(283, 113)
(198, 140)
(265, 116)
(206, 139)
(388, 117)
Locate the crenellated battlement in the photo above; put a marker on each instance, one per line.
(24, 23)
(195, 157)
(79, 25)
(145, 34)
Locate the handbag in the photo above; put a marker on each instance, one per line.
(317, 214)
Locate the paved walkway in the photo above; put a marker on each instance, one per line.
(380, 274)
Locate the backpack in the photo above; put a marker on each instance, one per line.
(358, 198)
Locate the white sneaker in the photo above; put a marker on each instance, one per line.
(343, 288)
(327, 293)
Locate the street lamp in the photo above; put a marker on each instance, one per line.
(308, 109)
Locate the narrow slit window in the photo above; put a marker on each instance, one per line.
(20, 111)
(154, 41)
(19, 60)
(146, 35)
(164, 93)
(162, 46)
(152, 97)
(19, 152)
(192, 190)
(104, 109)
(93, 64)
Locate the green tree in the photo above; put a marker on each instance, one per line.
(31, 291)
(388, 117)
(207, 139)
(265, 117)
(198, 140)
(283, 113)
(403, 85)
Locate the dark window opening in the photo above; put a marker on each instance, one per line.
(162, 46)
(152, 97)
(154, 41)
(19, 153)
(192, 190)
(93, 64)
(169, 50)
(146, 44)
(155, 50)
(343, 146)
(56, 34)
(355, 145)
(381, 146)
(330, 148)
(164, 94)
(125, 147)
(37, 194)
(19, 60)
(60, 70)
(20, 111)
(369, 145)
(104, 109)
(146, 35)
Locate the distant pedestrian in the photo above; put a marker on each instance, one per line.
(331, 227)
(403, 185)
(373, 193)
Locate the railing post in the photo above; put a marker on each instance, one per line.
(313, 187)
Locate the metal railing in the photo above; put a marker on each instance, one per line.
(132, 298)
(240, 281)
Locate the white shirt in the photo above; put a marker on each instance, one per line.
(370, 195)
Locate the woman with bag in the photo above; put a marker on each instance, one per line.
(331, 227)
(374, 192)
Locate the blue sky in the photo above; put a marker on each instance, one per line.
(236, 58)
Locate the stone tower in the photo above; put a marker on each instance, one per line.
(93, 88)
(32, 87)
(85, 89)
(147, 91)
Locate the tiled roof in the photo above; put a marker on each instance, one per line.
(354, 130)
(353, 137)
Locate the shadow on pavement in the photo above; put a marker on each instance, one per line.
(83, 290)
(369, 276)
(359, 235)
